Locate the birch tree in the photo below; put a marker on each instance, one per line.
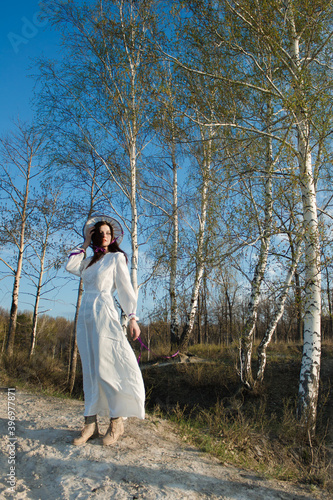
(265, 230)
(277, 314)
(19, 167)
(173, 139)
(204, 156)
(92, 182)
(76, 162)
(310, 369)
(52, 215)
(161, 191)
(161, 188)
(105, 82)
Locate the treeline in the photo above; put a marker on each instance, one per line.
(55, 334)
(205, 127)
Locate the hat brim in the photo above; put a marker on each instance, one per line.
(118, 232)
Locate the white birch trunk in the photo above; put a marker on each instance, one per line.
(36, 306)
(18, 273)
(37, 300)
(246, 341)
(310, 367)
(174, 324)
(200, 254)
(131, 126)
(196, 286)
(134, 225)
(279, 308)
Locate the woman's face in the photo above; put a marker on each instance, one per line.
(104, 233)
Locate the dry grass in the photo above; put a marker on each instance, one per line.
(42, 373)
(257, 431)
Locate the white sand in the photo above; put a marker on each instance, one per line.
(149, 462)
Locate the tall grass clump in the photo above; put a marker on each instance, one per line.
(41, 372)
(257, 431)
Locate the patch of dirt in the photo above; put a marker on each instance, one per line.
(149, 462)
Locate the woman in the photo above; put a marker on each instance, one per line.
(112, 380)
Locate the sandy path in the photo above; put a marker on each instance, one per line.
(149, 462)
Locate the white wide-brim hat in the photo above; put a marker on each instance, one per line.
(118, 232)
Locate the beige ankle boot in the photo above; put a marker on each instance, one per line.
(89, 431)
(115, 430)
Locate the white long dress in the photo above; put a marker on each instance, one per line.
(112, 380)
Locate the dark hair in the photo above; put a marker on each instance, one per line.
(96, 241)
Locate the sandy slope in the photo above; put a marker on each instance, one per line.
(149, 462)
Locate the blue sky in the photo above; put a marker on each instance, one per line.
(23, 38)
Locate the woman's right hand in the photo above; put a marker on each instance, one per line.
(87, 240)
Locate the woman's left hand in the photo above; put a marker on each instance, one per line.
(134, 329)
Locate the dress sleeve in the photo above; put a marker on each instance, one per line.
(126, 294)
(75, 261)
